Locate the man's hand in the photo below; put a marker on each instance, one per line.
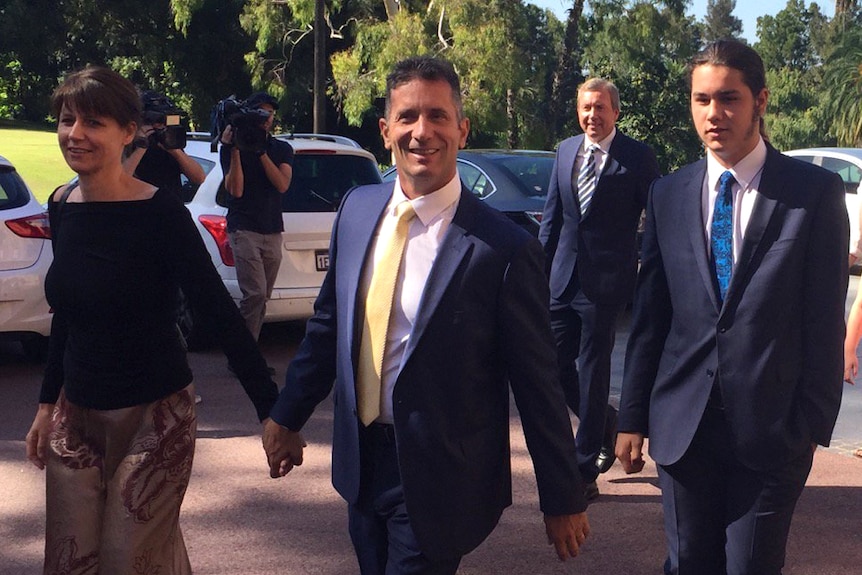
(567, 533)
(629, 450)
(227, 135)
(283, 448)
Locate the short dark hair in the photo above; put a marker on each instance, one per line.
(258, 99)
(735, 55)
(99, 91)
(426, 68)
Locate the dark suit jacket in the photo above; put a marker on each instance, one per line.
(482, 323)
(597, 253)
(777, 342)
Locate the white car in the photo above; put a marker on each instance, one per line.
(25, 255)
(847, 163)
(325, 167)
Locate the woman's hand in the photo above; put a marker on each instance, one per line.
(37, 437)
(851, 366)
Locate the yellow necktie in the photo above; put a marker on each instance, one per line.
(378, 307)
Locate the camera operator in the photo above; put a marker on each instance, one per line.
(256, 175)
(156, 159)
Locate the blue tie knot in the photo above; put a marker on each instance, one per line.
(725, 185)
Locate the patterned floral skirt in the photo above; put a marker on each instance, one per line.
(115, 482)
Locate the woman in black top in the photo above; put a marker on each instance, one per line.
(116, 422)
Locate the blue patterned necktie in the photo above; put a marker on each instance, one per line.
(721, 234)
(587, 179)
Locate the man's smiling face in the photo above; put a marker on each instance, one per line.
(424, 131)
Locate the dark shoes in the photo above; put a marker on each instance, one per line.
(591, 491)
(606, 459)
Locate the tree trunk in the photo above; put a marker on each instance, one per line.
(512, 135)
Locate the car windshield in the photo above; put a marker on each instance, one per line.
(320, 181)
(532, 172)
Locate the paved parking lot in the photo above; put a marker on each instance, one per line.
(237, 520)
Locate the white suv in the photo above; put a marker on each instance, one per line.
(325, 167)
(25, 255)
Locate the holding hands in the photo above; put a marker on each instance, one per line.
(283, 448)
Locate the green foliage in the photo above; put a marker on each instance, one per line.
(842, 100)
(785, 40)
(518, 63)
(720, 23)
(643, 50)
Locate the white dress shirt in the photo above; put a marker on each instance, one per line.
(747, 174)
(434, 213)
(601, 156)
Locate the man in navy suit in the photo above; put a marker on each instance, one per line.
(589, 232)
(734, 363)
(427, 480)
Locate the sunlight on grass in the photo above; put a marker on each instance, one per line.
(36, 156)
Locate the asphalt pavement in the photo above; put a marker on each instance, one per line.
(236, 520)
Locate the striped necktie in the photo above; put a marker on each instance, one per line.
(587, 179)
(721, 233)
(378, 308)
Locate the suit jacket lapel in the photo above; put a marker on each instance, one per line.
(693, 199)
(761, 214)
(355, 243)
(453, 248)
(568, 179)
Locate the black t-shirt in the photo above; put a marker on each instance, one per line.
(113, 287)
(259, 208)
(159, 168)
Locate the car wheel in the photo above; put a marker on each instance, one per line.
(196, 336)
(35, 348)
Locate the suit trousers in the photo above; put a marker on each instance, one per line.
(383, 539)
(584, 333)
(722, 518)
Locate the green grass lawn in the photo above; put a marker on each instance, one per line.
(35, 154)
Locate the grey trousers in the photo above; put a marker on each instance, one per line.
(257, 258)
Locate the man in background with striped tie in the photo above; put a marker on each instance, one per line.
(434, 306)
(597, 192)
(735, 360)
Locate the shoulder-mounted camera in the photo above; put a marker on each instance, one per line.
(247, 122)
(169, 129)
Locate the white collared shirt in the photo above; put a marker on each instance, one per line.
(601, 154)
(434, 213)
(747, 174)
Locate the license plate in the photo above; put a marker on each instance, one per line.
(321, 260)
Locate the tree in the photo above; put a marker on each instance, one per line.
(843, 97)
(643, 48)
(785, 40)
(720, 23)
(567, 76)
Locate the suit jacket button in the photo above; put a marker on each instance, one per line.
(710, 373)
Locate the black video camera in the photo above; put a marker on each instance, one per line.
(248, 124)
(159, 109)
